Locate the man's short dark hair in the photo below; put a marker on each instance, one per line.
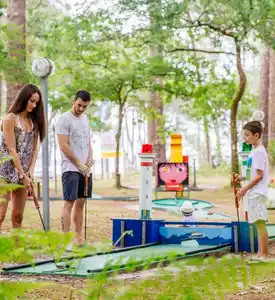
(83, 95)
(254, 127)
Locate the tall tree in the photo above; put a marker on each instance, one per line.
(271, 102)
(2, 52)
(217, 27)
(16, 13)
(264, 91)
(156, 124)
(234, 22)
(112, 72)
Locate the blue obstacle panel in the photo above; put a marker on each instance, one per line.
(219, 235)
(135, 232)
(241, 235)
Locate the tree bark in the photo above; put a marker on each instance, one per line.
(133, 164)
(118, 136)
(234, 108)
(264, 92)
(131, 142)
(1, 95)
(156, 132)
(271, 104)
(141, 127)
(218, 142)
(207, 139)
(16, 14)
(200, 156)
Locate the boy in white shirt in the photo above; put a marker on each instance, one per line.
(258, 177)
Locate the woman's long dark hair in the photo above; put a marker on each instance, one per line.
(37, 115)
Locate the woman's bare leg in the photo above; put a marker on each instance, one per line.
(18, 201)
(3, 208)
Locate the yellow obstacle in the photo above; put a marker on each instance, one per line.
(176, 153)
(176, 148)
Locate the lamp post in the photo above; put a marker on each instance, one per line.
(55, 169)
(43, 68)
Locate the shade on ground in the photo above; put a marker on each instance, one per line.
(202, 208)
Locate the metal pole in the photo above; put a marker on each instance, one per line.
(55, 169)
(45, 158)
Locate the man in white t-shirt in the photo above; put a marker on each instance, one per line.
(256, 190)
(74, 139)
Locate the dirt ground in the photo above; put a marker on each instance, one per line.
(264, 290)
(100, 214)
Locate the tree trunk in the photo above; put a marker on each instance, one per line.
(151, 123)
(271, 105)
(156, 132)
(206, 130)
(16, 14)
(1, 95)
(140, 139)
(264, 91)
(199, 143)
(207, 139)
(218, 142)
(145, 126)
(234, 108)
(131, 143)
(118, 136)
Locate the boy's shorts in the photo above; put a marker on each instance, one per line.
(257, 208)
(74, 185)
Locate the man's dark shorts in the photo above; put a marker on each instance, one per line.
(74, 185)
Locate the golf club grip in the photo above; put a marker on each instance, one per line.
(86, 186)
(35, 200)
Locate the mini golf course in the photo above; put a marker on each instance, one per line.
(175, 242)
(139, 256)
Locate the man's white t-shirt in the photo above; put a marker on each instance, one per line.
(258, 160)
(78, 131)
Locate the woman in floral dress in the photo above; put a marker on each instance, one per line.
(22, 127)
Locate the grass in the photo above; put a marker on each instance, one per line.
(101, 212)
